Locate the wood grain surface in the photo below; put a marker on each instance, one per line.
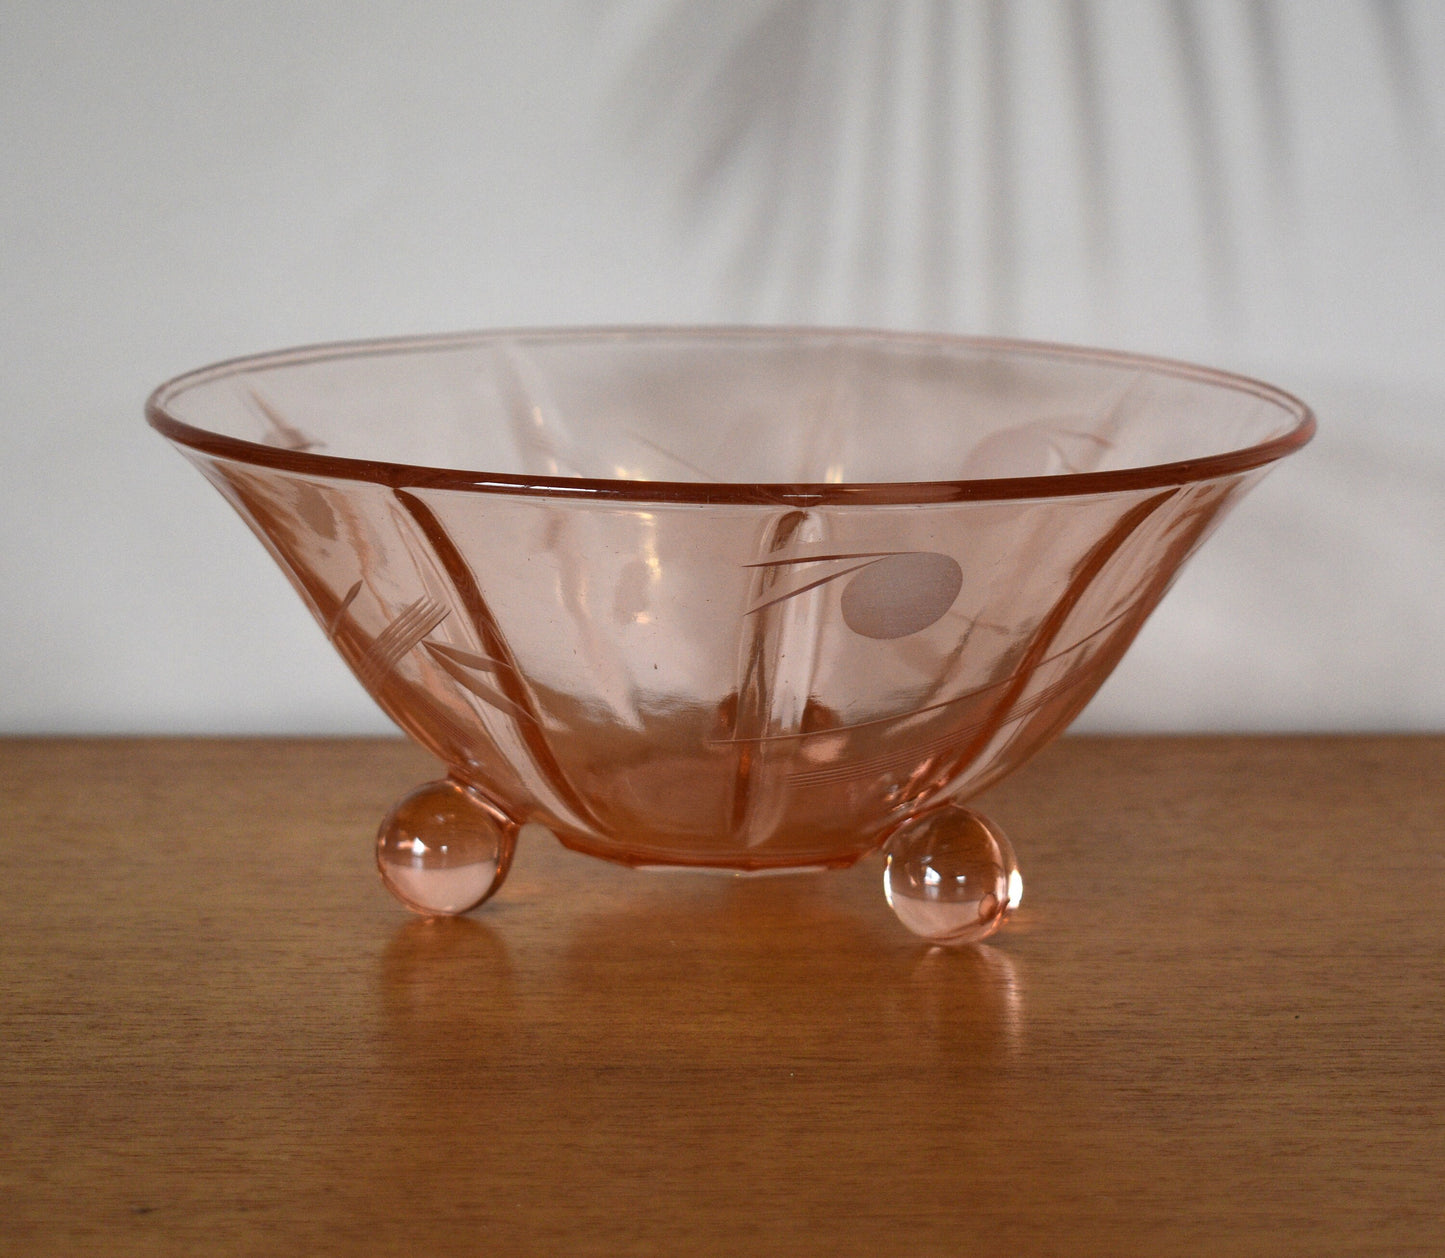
(1216, 1026)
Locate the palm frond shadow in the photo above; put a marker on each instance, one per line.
(835, 143)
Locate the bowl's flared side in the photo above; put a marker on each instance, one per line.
(749, 686)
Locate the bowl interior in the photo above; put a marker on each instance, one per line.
(737, 407)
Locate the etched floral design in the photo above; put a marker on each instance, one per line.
(891, 593)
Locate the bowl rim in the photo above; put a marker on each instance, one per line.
(418, 476)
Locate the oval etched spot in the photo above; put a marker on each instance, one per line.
(901, 594)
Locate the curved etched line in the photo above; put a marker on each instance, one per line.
(811, 585)
(1198, 508)
(1094, 563)
(467, 659)
(508, 675)
(861, 554)
(931, 707)
(915, 754)
(477, 687)
(334, 623)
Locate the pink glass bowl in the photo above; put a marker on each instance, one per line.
(753, 600)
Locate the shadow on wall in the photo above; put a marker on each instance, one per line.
(916, 162)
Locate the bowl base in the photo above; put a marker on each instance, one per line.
(760, 864)
(949, 874)
(779, 871)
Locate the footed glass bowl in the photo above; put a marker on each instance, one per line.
(742, 599)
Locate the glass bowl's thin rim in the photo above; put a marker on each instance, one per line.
(416, 476)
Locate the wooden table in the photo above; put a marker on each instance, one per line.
(1216, 1026)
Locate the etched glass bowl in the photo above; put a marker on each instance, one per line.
(744, 599)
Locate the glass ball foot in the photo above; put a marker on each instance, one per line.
(444, 848)
(950, 875)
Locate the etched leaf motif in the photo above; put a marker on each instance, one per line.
(408, 631)
(901, 595)
(395, 641)
(334, 624)
(806, 586)
(467, 659)
(458, 665)
(891, 594)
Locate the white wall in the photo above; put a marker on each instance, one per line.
(1260, 186)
